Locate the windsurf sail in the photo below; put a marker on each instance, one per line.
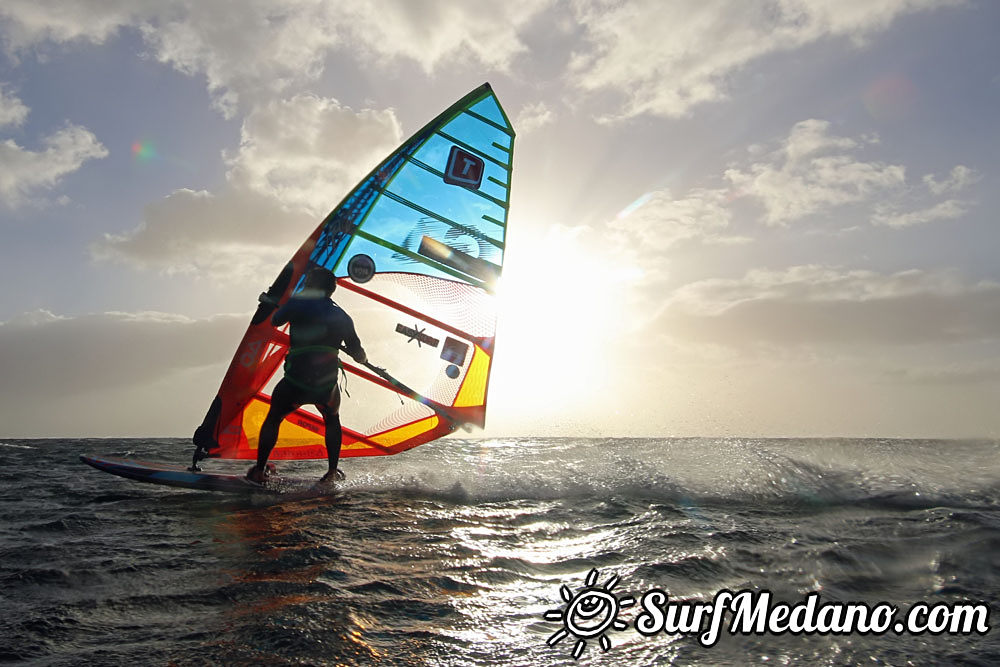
(416, 247)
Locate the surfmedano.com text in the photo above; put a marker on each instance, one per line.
(757, 613)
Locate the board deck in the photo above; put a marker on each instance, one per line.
(169, 474)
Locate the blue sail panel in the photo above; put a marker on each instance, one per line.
(489, 108)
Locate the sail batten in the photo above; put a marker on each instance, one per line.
(416, 247)
(498, 126)
(417, 257)
(456, 225)
(441, 174)
(473, 149)
(479, 340)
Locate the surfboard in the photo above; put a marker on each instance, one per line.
(169, 474)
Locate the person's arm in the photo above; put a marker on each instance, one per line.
(353, 345)
(268, 301)
(282, 315)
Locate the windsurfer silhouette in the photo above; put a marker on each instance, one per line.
(318, 329)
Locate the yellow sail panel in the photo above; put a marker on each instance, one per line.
(353, 446)
(295, 430)
(404, 433)
(253, 418)
(473, 391)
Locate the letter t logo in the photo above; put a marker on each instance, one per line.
(464, 169)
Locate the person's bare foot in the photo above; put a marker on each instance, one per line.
(259, 476)
(332, 476)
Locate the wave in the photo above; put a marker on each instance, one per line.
(818, 473)
(675, 471)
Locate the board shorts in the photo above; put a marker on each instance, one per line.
(311, 375)
(287, 397)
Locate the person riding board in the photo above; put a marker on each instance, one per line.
(318, 329)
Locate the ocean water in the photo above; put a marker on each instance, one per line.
(453, 553)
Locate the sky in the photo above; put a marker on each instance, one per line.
(770, 218)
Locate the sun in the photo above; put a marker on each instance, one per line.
(559, 311)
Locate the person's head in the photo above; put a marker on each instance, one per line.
(321, 279)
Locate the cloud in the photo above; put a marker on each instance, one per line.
(299, 151)
(25, 24)
(662, 59)
(981, 373)
(666, 58)
(245, 48)
(47, 357)
(946, 210)
(960, 178)
(297, 158)
(242, 48)
(251, 50)
(812, 172)
(24, 172)
(12, 110)
(111, 374)
(657, 220)
(823, 306)
(441, 33)
(898, 214)
(230, 237)
(533, 117)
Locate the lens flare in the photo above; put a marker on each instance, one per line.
(890, 97)
(635, 206)
(143, 151)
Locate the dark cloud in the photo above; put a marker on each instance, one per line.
(810, 306)
(44, 357)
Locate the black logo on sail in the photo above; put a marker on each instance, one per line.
(464, 169)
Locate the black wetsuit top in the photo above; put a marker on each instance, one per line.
(318, 328)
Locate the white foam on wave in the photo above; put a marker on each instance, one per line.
(677, 470)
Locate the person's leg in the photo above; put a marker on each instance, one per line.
(282, 404)
(334, 433)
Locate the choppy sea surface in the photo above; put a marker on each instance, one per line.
(452, 554)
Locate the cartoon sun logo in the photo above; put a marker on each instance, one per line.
(590, 613)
